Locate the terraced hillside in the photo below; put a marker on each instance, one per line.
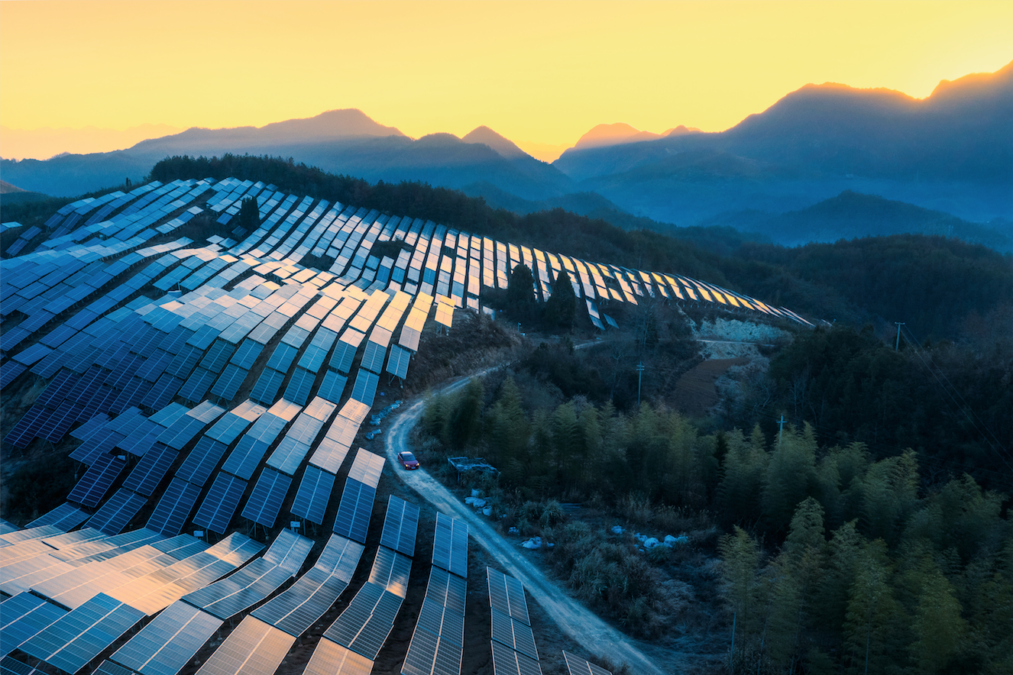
(211, 386)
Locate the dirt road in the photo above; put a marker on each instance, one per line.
(574, 619)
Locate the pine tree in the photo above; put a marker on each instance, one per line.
(561, 308)
(249, 214)
(521, 293)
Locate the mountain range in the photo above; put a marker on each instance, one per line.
(951, 152)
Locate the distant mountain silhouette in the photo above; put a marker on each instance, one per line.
(952, 151)
(486, 136)
(851, 215)
(340, 141)
(612, 134)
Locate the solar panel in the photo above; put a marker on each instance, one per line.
(367, 468)
(81, 635)
(579, 666)
(364, 389)
(148, 473)
(253, 647)
(400, 526)
(268, 495)
(201, 461)
(117, 512)
(302, 605)
(397, 365)
(228, 384)
(266, 389)
(198, 384)
(450, 548)
(166, 645)
(66, 517)
(354, 511)
(24, 616)
(314, 494)
(430, 654)
(299, 386)
(506, 661)
(220, 504)
(506, 595)
(365, 624)
(173, 508)
(344, 350)
(160, 395)
(330, 658)
(110, 668)
(442, 621)
(391, 570)
(513, 634)
(373, 358)
(247, 354)
(93, 486)
(333, 386)
(447, 589)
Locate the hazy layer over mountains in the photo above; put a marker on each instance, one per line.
(951, 152)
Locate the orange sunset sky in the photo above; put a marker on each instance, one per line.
(540, 73)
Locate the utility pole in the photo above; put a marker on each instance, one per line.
(896, 347)
(780, 430)
(640, 378)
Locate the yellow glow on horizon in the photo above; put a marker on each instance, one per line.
(538, 72)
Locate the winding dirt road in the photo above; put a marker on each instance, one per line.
(573, 618)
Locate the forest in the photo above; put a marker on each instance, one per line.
(835, 558)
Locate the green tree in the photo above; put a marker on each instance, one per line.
(464, 423)
(791, 476)
(521, 293)
(938, 627)
(561, 307)
(249, 214)
(872, 613)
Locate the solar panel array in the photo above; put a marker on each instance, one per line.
(118, 363)
(513, 643)
(437, 645)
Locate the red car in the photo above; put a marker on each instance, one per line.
(407, 460)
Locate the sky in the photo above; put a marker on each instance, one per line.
(540, 73)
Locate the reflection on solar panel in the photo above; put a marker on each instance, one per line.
(66, 517)
(506, 594)
(400, 526)
(450, 549)
(151, 469)
(437, 644)
(173, 508)
(253, 647)
(299, 607)
(117, 512)
(82, 634)
(330, 658)
(24, 616)
(579, 666)
(268, 494)
(165, 645)
(216, 512)
(256, 581)
(391, 570)
(314, 494)
(93, 486)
